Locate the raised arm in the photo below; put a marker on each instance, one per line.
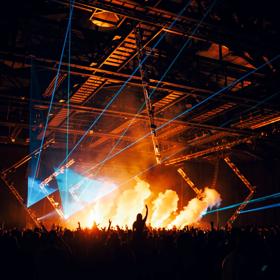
(145, 218)
(109, 226)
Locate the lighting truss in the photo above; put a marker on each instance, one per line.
(20, 199)
(210, 150)
(4, 176)
(54, 84)
(26, 158)
(190, 182)
(251, 188)
(147, 92)
(266, 122)
(45, 182)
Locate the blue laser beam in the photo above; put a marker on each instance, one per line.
(158, 83)
(188, 110)
(260, 208)
(76, 196)
(35, 193)
(68, 104)
(52, 96)
(259, 199)
(151, 167)
(251, 108)
(123, 86)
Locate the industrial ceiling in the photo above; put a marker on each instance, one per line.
(212, 68)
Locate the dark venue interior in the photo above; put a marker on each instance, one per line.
(139, 139)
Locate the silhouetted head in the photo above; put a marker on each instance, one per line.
(139, 217)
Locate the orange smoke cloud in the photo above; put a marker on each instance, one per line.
(163, 206)
(122, 208)
(130, 203)
(193, 212)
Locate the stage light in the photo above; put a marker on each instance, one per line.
(104, 19)
(35, 193)
(48, 215)
(77, 191)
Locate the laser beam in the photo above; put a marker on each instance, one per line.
(259, 199)
(189, 110)
(124, 85)
(54, 88)
(158, 83)
(260, 208)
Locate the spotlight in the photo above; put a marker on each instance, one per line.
(104, 19)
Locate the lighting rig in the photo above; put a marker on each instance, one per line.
(190, 183)
(147, 92)
(5, 173)
(44, 183)
(251, 188)
(217, 148)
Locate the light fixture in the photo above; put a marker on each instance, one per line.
(104, 19)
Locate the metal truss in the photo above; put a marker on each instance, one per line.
(5, 173)
(162, 18)
(20, 200)
(56, 81)
(25, 159)
(187, 179)
(216, 173)
(247, 184)
(118, 77)
(210, 150)
(46, 181)
(8, 171)
(147, 92)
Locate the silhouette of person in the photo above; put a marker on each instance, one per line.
(139, 224)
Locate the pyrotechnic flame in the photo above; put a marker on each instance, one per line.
(163, 206)
(122, 208)
(130, 203)
(100, 213)
(193, 212)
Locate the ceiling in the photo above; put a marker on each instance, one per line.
(211, 67)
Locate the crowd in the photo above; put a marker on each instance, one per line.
(140, 253)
